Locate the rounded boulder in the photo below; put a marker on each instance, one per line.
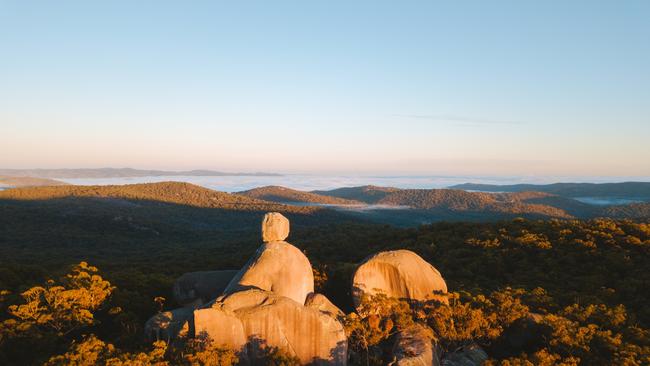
(278, 267)
(275, 227)
(400, 274)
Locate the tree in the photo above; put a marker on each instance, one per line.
(61, 308)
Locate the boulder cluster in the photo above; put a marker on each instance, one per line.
(271, 302)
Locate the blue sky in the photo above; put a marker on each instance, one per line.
(361, 87)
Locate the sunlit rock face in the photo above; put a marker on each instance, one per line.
(254, 319)
(322, 303)
(197, 288)
(275, 227)
(278, 267)
(270, 302)
(400, 274)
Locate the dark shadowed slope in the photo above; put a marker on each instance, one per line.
(367, 194)
(283, 194)
(639, 190)
(11, 182)
(123, 225)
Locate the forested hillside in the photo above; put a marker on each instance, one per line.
(283, 195)
(367, 194)
(625, 189)
(587, 280)
(167, 192)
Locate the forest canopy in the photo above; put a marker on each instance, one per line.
(79, 288)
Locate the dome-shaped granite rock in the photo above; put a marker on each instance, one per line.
(278, 267)
(400, 274)
(196, 288)
(252, 319)
(275, 227)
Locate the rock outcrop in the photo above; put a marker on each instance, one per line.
(254, 319)
(196, 288)
(322, 303)
(275, 227)
(278, 267)
(470, 355)
(414, 346)
(168, 325)
(401, 274)
(270, 302)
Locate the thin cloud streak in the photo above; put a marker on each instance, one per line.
(459, 120)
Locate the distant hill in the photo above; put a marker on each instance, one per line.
(164, 192)
(458, 201)
(367, 194)
(630, 211)
(455, 204)
(117, 173)
(403, 207)
(639, 190)
(11, 182)
(284, 195)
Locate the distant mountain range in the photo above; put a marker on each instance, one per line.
(404, 207)
(117, 173)
(639, 190)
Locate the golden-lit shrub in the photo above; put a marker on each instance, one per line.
(92, 351)
(62, 308)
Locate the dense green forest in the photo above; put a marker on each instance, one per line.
(579, 289)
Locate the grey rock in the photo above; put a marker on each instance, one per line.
(197, 288)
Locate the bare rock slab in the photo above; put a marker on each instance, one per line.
(264, 319)
(400, 274)
(322, 303)
(197, 288)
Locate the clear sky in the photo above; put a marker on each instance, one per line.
(368, 87)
